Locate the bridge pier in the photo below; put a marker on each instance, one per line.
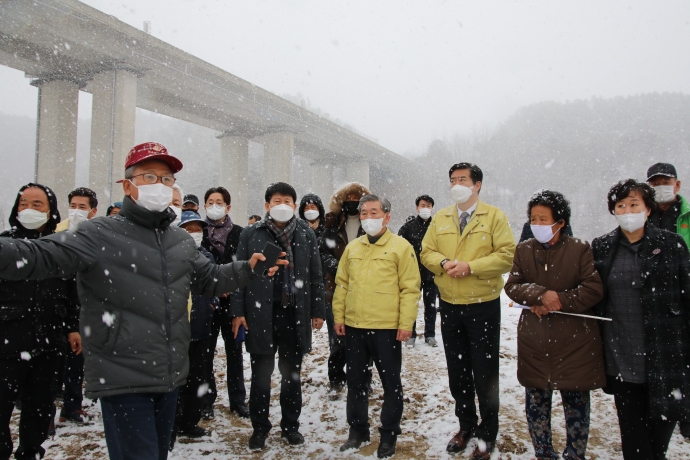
(112, 131)
(358, 171)
(56, 138)
(234, 169)
(322, 181)
(279, 150)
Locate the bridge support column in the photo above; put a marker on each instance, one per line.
(112, 131)
(279, 150)
(358, 171)
(322, 181)
(56, 138)
(234, 169)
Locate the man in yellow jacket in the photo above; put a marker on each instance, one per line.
(374, 307)
(469, 246)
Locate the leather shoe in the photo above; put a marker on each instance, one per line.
(355, 440)
(242, 410)
(257, 441)
(458, 443)
(483, 450)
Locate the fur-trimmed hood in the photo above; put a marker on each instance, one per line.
(335, 205)
(335, 218)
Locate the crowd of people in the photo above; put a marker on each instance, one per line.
(129, 307)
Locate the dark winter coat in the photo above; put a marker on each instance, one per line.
(312, 198)
(228, 256)
(201, 316)
(134, 275)
(255, 301)
(36, 315)
(413, 231)
(664, 264)
(333, 241)
(231, 243)
(558, 352)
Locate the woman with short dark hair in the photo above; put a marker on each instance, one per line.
(555, 272)
(646, 275)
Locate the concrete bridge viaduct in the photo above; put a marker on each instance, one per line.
(66, 46)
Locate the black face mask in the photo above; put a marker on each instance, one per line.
(350, 208)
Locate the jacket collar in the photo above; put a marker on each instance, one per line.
(387, 235)
(149, 219)
(482, 208)
(452, 211)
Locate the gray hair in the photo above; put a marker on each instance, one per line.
(385, 204)
(129, 172)
(179, 189)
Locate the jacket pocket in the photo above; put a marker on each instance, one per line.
(112, 320)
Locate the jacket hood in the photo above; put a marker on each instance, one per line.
(339, 197)
(53, 219)
(335, 218)
(314, 199)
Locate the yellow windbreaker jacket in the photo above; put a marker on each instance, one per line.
(487, 245)
(377, 285)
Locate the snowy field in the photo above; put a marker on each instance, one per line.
(428, 420)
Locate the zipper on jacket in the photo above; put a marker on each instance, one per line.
(166, 296)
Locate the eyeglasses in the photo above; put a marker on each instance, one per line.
(152, 179)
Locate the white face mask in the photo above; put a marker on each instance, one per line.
(215, 212)
(543, 233)
(154, 197)
(372, 226)
(460, 193)
(178, 214)
(197, 236)
(76, 216)
(282, 212)
(632, 221)
(311, 215)
(664, 193)
(425, 213)
(32, 219)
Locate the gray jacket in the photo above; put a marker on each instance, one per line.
(134, 273)
(255, 302)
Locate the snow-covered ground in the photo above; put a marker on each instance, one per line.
(428, 420)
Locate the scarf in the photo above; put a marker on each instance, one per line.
(218, 233)
(284, 236)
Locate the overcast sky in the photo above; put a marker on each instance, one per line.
(408, 72)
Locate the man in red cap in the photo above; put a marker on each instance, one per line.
(134, 272)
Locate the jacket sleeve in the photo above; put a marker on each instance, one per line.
(318, 291)
(342, 281)
(517, 287)
(212, 280)
(430, 255)
(501, 259)
(590, 289)
(409, 282)
(237, 296)
(60, 255)
(329, 263)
